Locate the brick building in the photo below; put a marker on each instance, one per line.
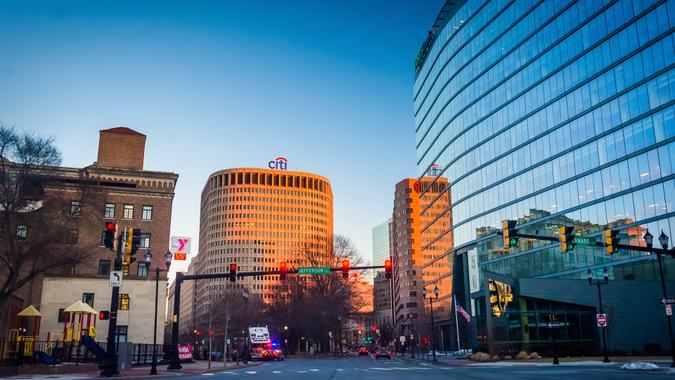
(117, 189)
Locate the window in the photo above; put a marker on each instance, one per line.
(88, 298)
(145, 241)
(142, 269)
(121, 334)
(128, 212)
(62, 315)
(146, 212)
(75, 208)
(72, 237)
(110, 210)
(123, 302)
(21, 231)
(104, 267)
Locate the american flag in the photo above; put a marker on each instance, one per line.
(463, 312)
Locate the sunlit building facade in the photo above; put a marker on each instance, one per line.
(258, 218)
(551, 113)
(418, 257)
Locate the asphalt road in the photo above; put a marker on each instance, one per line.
(366, 368)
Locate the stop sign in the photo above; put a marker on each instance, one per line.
(602, 320)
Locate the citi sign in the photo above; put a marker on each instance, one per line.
(280, 163)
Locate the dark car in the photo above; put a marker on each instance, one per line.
(382, 353)
(363, 351)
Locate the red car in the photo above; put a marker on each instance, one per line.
(363, 351)
(382, 353)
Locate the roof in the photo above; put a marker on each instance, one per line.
(80, 307)
(123, 131)
(30, 311)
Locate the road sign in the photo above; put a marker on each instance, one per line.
(580, 240)
(314, 270)
(116, 278)
(602, 320)
(669, 310)
(402, 338)
(553, 325)
(181, 256)
(668, 300)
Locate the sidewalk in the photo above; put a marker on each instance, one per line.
(92, 371)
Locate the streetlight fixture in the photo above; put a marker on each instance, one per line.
(167, 263)
(604, 281)
(663, 240)
(431, 307)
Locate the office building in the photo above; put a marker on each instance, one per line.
(258, 218)
(381, 243)
(554, 113)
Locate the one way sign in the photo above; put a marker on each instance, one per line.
(668, 300)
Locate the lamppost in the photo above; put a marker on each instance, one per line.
(431, 307)
(286, 338)
(411, 316)
(167, 262)
(597, 283)
(663, 239)
(339, 318)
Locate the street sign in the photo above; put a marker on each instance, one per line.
(602, 320)
(553, 325)
(314, 270)
(116, 278)
(402, 338)
(668, 300)
(580, 240)
(180, 244)
(669, 310)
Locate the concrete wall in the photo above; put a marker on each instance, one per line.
(61, 292)
(635, 315)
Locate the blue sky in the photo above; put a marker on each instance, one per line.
(226, 84)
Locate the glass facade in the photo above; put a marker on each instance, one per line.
(552, 113)
(381, 243)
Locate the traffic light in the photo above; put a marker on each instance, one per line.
(509, 233)
(132, 245)
(611, 240)
(566, 239)
(233, 272)
(110, 235)
(104, 315)
(345, 269)
(282, 270)
(387, 268)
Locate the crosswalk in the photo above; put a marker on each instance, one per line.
(394, 367)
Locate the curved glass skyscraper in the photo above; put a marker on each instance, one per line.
(551, 113)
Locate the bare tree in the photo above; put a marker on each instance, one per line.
(314, 305)
(37, 227)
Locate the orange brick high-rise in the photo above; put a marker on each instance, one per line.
(258, 218)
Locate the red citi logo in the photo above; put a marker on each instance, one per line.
(280, 163)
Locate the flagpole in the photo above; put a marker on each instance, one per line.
(456, 322)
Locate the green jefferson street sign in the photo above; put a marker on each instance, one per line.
(314, 270)
(578, 240)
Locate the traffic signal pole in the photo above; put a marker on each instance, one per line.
(110, 358)
(174, 359)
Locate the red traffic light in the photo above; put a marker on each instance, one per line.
(233, 267)
(345, 264)
(282, 266)
(387, 264)
(110, 227)
(104, 315)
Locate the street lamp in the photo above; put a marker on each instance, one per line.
(431, 307)
(339, 318)
(663, 240)
(597, 283)
(167, 263)
(412, 336)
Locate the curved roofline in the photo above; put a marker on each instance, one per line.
(275, 171)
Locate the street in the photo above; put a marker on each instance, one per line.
(367, 368)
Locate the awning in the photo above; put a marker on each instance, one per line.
(30, 311)
(80, 307)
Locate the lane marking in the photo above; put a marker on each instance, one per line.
(276, 371)
(207, 374)
(302, 371)
(229, 373)
(314, 370)
(340, 369)
(251, 372)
